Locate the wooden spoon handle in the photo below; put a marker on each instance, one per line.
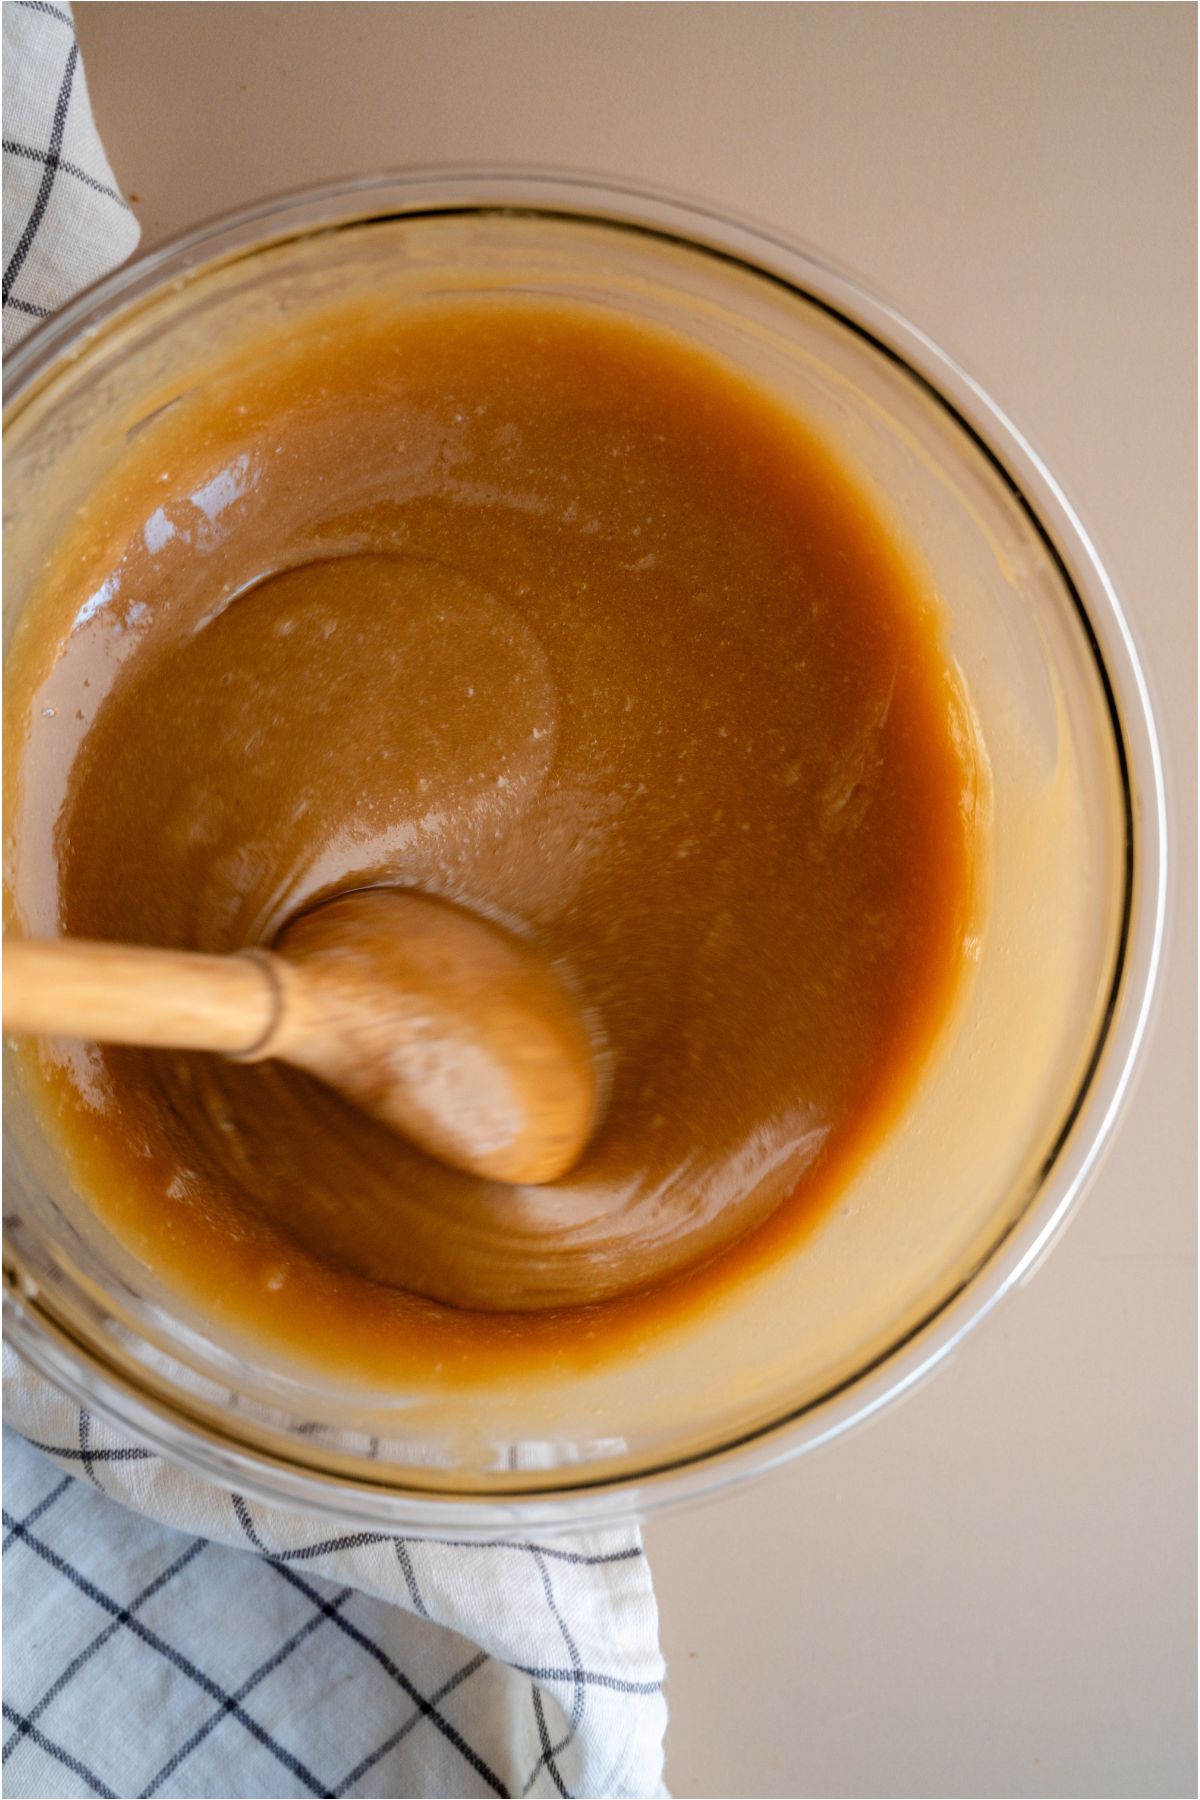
(116, 994)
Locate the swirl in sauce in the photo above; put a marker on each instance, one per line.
(554, 616)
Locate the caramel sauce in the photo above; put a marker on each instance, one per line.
(564, 620)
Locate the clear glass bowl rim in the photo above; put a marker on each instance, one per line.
(1088, 1122)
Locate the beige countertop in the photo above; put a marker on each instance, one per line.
(990, 1589)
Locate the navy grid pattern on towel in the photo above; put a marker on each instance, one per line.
(144, 1660)
(66, 222)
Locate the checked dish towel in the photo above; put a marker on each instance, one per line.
(66, 222)
(164, 1637)
(249, 1651)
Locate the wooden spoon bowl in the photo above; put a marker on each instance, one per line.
(450, 1030)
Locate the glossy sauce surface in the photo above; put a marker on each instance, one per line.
(558, 618)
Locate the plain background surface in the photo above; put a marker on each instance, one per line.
(991, 1589)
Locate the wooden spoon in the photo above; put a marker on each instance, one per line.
(429, 1018)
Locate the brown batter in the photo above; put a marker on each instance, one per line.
(553, 616)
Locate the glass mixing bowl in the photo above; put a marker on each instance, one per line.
(1026, 1077)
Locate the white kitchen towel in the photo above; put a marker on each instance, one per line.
(66, 222)
(162, 1636)
(206, 1645)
